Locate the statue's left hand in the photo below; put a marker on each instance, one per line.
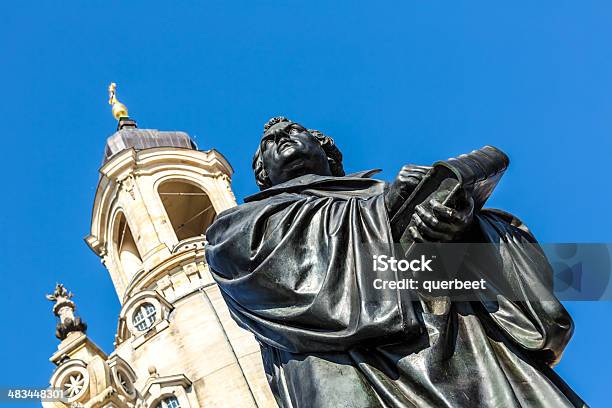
(436, 222)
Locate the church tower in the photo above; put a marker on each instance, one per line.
(176, 344)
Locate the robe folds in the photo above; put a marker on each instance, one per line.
(289, 267)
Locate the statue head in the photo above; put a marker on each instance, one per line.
(288, 150)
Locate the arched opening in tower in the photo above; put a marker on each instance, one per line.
(125, 247)
(188, 207)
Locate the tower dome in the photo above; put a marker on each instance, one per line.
(131, 137)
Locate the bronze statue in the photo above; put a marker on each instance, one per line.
(289, 265)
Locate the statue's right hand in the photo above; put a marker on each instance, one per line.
(404, 184)
(410, 176)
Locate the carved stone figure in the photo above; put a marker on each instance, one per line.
(288, 262)
(64, 310)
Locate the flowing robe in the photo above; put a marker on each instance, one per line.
(289, 266)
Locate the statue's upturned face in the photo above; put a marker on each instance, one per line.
(289, 151)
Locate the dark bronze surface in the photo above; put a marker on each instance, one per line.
(288, 263)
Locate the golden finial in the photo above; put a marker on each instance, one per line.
(119, 109)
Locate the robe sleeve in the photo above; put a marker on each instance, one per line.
(530, 315)
(294, 270)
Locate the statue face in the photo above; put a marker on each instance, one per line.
(289, 151)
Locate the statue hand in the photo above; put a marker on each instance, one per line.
(409, 177)
(435, 222)
(405, 182)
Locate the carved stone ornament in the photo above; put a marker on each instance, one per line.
(128, 186)
(64, 310)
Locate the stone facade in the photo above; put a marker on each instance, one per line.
(176, 344)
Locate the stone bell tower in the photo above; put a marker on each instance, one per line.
(176, 344)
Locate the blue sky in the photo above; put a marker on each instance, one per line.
(394, 82)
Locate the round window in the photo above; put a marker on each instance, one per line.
(74, 384)
(125, 382)
(144, 317)
(170, 402)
